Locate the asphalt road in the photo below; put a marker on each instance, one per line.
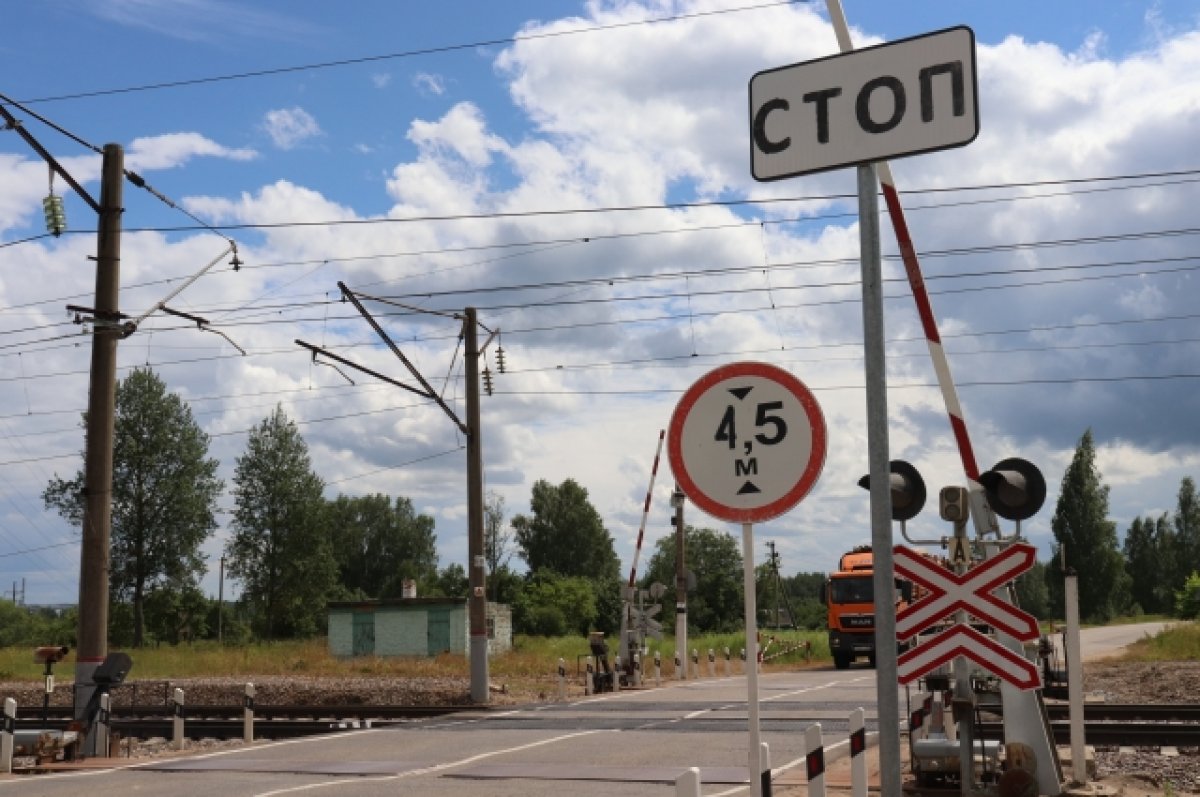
(629, 743)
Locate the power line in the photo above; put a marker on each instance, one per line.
(447, 48)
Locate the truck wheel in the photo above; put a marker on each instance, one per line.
(841, 661)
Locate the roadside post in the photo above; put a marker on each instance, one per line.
(177, 719)
(7, 731)
(747, 442)
(906, 97)
(248, 714)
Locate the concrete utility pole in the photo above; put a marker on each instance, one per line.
(477, 603)
(92, 644)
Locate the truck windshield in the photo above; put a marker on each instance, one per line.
(859, 589)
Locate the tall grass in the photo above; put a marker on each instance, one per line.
(1180, 642)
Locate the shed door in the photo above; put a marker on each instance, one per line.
(364, 634)
(438, 630)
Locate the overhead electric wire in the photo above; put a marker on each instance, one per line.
(447, 48)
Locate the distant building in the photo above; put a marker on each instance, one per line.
(412, 627)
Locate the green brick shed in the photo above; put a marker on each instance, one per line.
(411, 627)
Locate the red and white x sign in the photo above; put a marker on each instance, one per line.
(963, 640)
(972, 591)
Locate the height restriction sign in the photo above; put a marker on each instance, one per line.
(747, 442)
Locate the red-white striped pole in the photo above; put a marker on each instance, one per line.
(646, 509)
(985, 521)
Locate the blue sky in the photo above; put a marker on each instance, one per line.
(490, 112)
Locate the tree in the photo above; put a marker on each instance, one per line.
(453, 581)
(1144, 565)
(1032, 595)
(497, 540)
(164, 496)
(1081, 527)
(715, 602)
(379, 543)
(279, 548)
(1187, 534)
(565, 534)
(555, 605)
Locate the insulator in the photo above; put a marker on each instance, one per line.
(56, 217)
(487, 381)
(500, 358)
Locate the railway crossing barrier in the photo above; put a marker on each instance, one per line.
(6, 734)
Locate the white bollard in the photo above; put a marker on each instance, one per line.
(858, 754)
(688, 784)
(695, 663)
(248, 714)
(177, 712)
(764, 769)
(562, 679)
(616, 674)
(712, 664)
(728, 666)
(103, 728)
(587, 678)
(6, 734)
(637, 669)
(743, 661)
(814, 761)
(679, 672)
(657, 668)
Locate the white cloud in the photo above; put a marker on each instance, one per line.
(428, 83)
(289, 127)
(381, 80)
(176, 149)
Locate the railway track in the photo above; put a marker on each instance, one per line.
(226, 722)
(1105, 724)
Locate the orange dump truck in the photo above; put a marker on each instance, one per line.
(849, 597)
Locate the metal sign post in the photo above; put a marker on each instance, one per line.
(747, 442)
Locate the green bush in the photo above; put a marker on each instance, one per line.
(1187, 600)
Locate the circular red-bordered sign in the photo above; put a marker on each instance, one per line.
(747, 442)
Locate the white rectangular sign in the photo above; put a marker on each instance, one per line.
(901, 98)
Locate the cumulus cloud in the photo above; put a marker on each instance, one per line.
(428, 83)
(290, 127)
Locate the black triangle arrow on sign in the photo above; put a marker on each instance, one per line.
(747, 488)
(741, 392)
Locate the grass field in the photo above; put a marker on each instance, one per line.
(531, 657)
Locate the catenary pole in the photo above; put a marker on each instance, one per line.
(92, 645)
(477, 602)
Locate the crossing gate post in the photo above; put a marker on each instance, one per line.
(616, 674)
(562, 679)
(679, 673)
(7, 731)
(814, 760)
(248, 714)
(637, 669)
(858, 758)
(695, 663)
(688, 783)
(103, 726)
(728, 666)
(712, 664)
(177, 722)
(587, 682)
(657, 668)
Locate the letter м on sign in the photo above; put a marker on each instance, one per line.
(901, 98)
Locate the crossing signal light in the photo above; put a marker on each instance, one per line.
(907, 488)
(952, 504)
(1015, 488)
